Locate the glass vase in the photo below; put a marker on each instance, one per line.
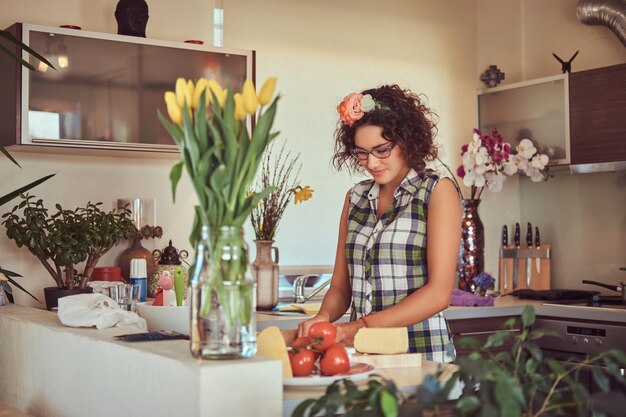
(472, 257)
(266, 274)
(222, 322)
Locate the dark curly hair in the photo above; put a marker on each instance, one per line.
(405, 121)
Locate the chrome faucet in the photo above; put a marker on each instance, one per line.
(300, 282)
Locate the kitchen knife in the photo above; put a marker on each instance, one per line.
(516, 240)
(529, 245)
(537, 246)
(505, 244)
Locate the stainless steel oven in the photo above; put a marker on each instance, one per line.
(578, 338)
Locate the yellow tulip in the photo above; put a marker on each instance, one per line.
(181, 86)
(218, 91)
(173, 109)
(240, 111)
(189, 93)
(302, 194)
(267, 91)
(250, 101)
(201, 86)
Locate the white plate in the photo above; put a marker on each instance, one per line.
(358, 371)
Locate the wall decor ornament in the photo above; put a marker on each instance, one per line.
(492, 76)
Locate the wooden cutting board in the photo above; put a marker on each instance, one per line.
(399, 360)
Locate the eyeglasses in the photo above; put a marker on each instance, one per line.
(379, 153)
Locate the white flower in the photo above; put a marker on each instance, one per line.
(526, 148)
(521, 162)
(482, 156)
(539, 161)
(473, 178)
(536, 175)
(468, 161)
(510, 167)
(495, 181)
(367, 103)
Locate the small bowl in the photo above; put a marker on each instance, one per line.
(174, 319)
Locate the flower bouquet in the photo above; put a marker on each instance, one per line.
(279, 173)
(487, 161)
(221, 156)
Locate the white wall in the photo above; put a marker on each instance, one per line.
(582, 216)
(320, 51)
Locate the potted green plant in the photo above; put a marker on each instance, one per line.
(66, 238)
(519, 382)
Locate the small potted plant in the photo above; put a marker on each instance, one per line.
(66, 238)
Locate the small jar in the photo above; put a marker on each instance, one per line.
(169, 259)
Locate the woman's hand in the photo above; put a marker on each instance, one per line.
(347, 331)
(304, 326)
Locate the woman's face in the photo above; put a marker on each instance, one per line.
(390, 170)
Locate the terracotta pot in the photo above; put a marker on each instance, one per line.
(265, 270)
(136, 251)
(52, 294)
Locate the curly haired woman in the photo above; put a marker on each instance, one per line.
(400, 231)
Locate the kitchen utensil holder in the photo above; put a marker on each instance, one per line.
(538, 280)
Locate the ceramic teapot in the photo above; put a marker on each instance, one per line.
(169, 259)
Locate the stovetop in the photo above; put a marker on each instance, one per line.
(595, 301)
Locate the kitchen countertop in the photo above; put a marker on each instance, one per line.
(503, 306)
(52, 370)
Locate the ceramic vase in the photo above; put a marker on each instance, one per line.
(266, 271)
(222, 308)
(472, 256)
(136, 251)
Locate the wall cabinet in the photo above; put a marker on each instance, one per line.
(106, 89)
(598, 119)
(577, 119)
(535, 109)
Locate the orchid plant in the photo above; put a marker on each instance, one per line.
(487, 160)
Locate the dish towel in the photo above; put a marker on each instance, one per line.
(467, 299)
(306, 308)
(87, 310)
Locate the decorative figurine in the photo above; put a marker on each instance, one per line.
(132, 17)
(492, 76)
(566, 66)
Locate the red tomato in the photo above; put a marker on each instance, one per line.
(305, 341)
(335, 360)
(324, 330)
(302, 361)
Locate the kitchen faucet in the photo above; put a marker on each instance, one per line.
(300, 282)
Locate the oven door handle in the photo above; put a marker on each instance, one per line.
(489, 332)
(588, 368)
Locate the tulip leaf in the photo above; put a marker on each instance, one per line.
(175, 174)
(201, 124)
(173, 129)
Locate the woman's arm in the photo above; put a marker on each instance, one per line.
(443, 240)
(337, 299)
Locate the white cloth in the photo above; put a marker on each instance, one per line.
(86, 310)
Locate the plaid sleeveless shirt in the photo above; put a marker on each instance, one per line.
(387, 257)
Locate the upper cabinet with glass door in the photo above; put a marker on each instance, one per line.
(106, 89)
(536, 109)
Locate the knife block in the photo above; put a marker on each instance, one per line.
(538, 281)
